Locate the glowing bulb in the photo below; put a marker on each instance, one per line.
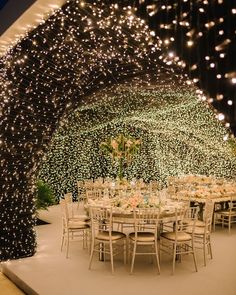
(210, 100)
(229, 102)
(233, 80)
(189, 43)
(225, 137)
(220, 117)
(82, 4)
(152, 33)
(219, 96)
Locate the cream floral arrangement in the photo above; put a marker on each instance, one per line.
(201, 186)
(136, 201)
(121, 149)
(128, 202)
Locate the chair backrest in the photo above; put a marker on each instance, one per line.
(146, 219)
(88, 184)
(68, 198)
(69, 203)
(101, 219)
(208, 215)
(190, 218)
(153, 185)
(179, 224)
(99, 180)
(65, 212)
(93, 194)
(80, 185)
(232, 204)
(191, 213)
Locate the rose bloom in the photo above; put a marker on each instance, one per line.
(114, 144)
(128, 143)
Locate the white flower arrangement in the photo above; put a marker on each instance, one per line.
(121, 149)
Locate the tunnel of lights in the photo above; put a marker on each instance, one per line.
(179, 135)
(85, 74)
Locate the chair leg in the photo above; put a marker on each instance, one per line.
(157, 258)
(133, 257)
(128, 249)
(194, 257)
(62, 239)
(174, 257)
(67, 246)
(111, 254)
(91, 254)
(209, 245)
(204, 250)
(83, 238)
(125, 250)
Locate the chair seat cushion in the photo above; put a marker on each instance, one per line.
(198, 223)
(143, 237)
(80, 218)
(200, 231)
(181, 236)
(226, 212)
(115, 235)
(77, 225)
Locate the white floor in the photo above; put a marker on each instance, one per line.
(49, 272)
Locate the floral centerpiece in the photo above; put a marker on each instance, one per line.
(137, 200)
(121, 149)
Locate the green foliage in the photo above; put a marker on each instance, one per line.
(45, 196)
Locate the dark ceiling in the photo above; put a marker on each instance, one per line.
(10, 11)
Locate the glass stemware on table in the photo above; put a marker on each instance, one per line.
(127, 200)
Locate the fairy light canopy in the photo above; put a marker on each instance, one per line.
(80, 49)
(202, 34)
(179, 134)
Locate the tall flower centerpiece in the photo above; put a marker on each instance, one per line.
(121, 149)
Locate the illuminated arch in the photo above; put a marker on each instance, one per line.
(52, 71)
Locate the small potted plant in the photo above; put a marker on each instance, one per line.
(44, 197)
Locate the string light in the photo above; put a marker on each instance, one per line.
(201, 29)
(79, 50)
(182, 126)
